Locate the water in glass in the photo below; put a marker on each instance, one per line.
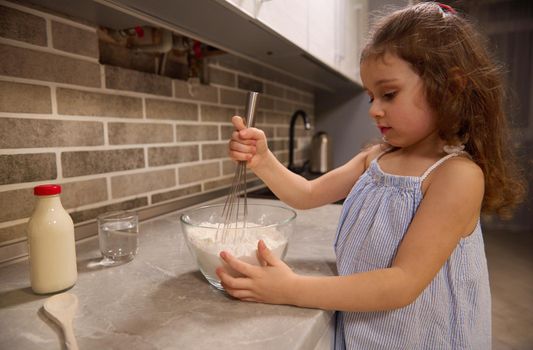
(118, 239)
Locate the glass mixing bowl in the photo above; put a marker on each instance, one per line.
(206, 235)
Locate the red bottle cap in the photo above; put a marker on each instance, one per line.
(46, 190)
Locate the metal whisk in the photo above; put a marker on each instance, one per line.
(234, 211)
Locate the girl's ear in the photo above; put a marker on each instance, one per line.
(458, 80)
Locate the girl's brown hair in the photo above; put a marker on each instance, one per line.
(463, 85)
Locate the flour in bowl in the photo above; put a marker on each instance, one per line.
(207, 249)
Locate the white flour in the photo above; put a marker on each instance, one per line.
(207, 249)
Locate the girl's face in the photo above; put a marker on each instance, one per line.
(398, 103)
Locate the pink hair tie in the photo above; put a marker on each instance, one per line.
(446, 8)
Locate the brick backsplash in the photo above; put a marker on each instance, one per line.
(284, 106)
(120, 138)
(216, 114)
(214, 151)
(158, 156)
(164, 109)
(196, 133)
(265, 103)
(195, 173)
(25, 98)
(30, 133)
(232, 97)
(16, 204)
(79, 163)
(277, 118)
(132, 184)
(130, 80)
(96, 104)
(41, 65)
(74, 40)
(13, 233)
(17, 168)
(282, 131)
(92, 213)
(21, 26)
(80, 193)
(220, 77)
(228, 167)
(182, 192)
(217, 183)
(274, 90)
(201, 93)
(139, 133)
(226, 131)
(246, 83)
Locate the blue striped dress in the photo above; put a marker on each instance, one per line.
(453, 312)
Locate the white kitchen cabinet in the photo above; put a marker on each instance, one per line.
(322, 28)
(286, 17)
(331, 31)
(351, 31)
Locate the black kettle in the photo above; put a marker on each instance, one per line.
(321, 153)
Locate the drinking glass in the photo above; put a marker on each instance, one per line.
(118, 234)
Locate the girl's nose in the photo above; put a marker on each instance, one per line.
(375, 110)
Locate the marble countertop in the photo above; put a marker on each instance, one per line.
(160, 300)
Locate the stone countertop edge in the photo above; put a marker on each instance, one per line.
(160, 300)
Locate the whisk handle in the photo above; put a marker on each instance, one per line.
(249, 112)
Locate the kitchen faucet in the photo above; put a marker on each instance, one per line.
(307, 126)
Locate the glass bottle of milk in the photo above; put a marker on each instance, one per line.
(51, 246)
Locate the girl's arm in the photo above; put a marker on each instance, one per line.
(250, 144)
(449, 211)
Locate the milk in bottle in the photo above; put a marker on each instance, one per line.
(51, 246)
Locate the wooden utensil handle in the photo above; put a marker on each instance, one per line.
(70, 339)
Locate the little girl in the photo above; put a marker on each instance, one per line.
(410, 254)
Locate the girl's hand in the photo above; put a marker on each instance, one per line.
(271, 283)
(247, 144)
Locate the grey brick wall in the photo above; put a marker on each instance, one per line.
(118, 138)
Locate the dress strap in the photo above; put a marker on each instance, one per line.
(437, 163)
(383, 153)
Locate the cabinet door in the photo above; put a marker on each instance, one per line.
(352, 31)
(337, 29)
(322, 30)
(287, 18)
